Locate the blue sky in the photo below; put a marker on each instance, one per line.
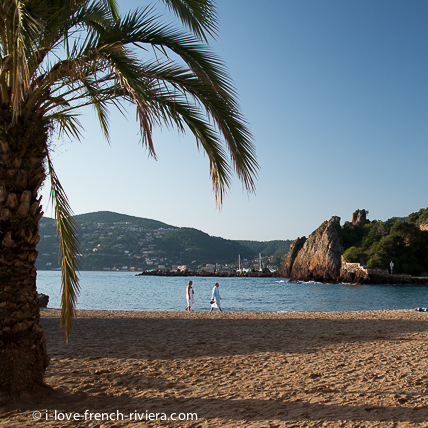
(335, 93)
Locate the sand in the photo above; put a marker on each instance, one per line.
(334, 369)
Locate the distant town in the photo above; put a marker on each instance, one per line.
(110, 241)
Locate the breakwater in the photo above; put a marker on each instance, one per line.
(222, 274)
(348, 275)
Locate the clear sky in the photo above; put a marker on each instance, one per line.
(335, 93)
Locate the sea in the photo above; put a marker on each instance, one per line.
(128, 292)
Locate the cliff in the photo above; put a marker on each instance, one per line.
(317, 258)
(295, 247)
(320, 258)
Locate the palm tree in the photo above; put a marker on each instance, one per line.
(57, 56)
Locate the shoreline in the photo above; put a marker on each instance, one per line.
(135, 313)
(228, 315)
(375, 277)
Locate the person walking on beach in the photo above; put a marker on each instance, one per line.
(190, 296)
(215, 298)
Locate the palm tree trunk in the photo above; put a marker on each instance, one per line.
(23, 357)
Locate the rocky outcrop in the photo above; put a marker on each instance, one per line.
(317, 258)
(354, 273)
(359, 218)
(43, 300)
(295, 247)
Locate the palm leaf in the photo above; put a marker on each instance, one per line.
(199, 16)
(69, 250)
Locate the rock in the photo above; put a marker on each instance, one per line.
(43, 300)
(359, 218)
(354, 273)
(295, 247)
(317, 258)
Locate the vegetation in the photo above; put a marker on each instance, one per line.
(276, 250)
(116, 241)
(419, 218)
(398, 240)
(57, 57)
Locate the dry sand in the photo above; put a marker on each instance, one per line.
(334, 369)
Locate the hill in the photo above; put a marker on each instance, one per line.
(277, 249)
(116, 241)
(402, 241)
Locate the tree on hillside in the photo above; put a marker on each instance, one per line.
(57, 56)
(419, 218)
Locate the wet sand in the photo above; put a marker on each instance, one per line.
(312, 369)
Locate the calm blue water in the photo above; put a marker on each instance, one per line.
(125, 291)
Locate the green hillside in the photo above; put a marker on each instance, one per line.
(277, 250)
(403, 241)
(111, 217)
(116, 241)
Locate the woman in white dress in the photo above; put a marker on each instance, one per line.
(190, 296)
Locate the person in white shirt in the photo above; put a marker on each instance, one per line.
(190, 296)
(215, 298)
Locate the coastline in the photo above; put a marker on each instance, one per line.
(218, 274)
(372, 277)
(257, 369)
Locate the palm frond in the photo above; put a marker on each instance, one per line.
(112, 6)
(18, 40)
(226, 116)
(207, 83)
(99, 103)
(67, 123)
(199, 16)
(69, 250)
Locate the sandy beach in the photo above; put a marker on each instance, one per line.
(334, 369)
